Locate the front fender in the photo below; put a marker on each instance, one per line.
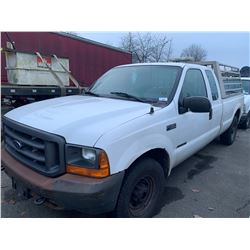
(127, 143)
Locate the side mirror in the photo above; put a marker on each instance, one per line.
(197, 104)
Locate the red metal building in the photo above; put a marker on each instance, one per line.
(88, 59)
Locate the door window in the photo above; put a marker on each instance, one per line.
(193, 85)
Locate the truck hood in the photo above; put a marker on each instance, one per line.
(79, 119)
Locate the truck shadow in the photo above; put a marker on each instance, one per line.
(204, 164)
(171, 194)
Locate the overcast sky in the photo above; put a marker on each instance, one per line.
(226, 47)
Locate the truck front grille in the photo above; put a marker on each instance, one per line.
(39, 150)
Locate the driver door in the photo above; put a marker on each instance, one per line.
(192, 128)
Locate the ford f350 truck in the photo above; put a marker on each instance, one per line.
(112, 148)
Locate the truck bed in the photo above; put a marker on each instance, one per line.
(229, 106)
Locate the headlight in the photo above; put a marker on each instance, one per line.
(89, 155)
(87, 161)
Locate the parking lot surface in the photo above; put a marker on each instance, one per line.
(215, 182)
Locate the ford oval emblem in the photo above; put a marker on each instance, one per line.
(17, 144)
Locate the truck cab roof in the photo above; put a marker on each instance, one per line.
(178, 64)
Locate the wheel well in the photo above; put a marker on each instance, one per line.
(160, 155)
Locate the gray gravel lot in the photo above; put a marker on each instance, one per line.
(213, 183)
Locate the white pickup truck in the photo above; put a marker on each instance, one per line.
(245, 119)
(112, 148)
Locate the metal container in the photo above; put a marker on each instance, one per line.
(88, 59)
(28, 69)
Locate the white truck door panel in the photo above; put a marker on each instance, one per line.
(191, 135)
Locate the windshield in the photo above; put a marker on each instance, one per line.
(246, 86)
(149, 83)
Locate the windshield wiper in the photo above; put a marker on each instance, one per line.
(91, 93)
(123, 94)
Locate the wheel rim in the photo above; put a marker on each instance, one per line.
(141, 196)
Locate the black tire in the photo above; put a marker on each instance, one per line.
(141, 191)
(228, 137)
(246, 123)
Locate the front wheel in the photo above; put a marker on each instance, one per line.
(141, 190)
(228, 137)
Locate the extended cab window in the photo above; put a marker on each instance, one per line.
(193, 85)
(212, 84)
(246, 86)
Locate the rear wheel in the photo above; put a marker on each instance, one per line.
(141, 191)
(228, 137)
(246, 123)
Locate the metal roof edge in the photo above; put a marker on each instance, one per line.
(155, 64)
(91, 41)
